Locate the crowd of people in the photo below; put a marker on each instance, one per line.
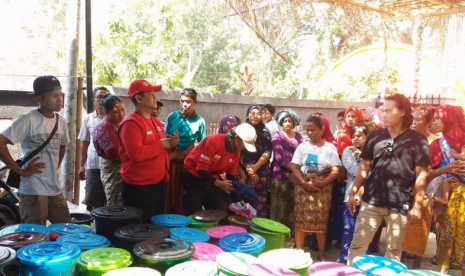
(393, 167)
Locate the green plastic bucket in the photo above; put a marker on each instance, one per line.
(293, 259)
(234, 263)
(97, 262)
(273, 240)
(204, 226)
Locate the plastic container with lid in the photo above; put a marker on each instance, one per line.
(110, 218)
(204, 226)
(206, 252)
(421, 272)
(60, 229)
(162, 253)
(18, 240)
(86, 241)
(80, 218)
(97, 262)
(248, 243)
(210, 215)
(234, 263)
(133, 271)
(25, 227)
(378, 266)
(333, 269)
(239, 221)
(216, 233)
(171, 220)
(293, 259)
(49, 258)
(7, 257)
(189, 234)
(130, 235)
(193, 268)
(269, 270)
(276, 234)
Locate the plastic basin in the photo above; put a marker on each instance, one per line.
(378, 266)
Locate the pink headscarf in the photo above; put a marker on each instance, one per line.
(376, 115)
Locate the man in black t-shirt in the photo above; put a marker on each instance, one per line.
(395, 160)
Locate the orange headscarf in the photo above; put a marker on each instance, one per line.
(343, 137)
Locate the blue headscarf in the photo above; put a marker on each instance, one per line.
(281, 115)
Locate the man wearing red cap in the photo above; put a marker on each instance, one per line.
(144, 151)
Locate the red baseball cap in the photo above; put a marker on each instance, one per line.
(138, 86)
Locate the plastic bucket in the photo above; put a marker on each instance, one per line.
(295, 260)
(130, 235)
(193, 268)
(86, 241)
(171, 220)
(18, 240)
(239, 221)
(248, 243)
(421, 272)
(79, 218)
(59, 229)
(7, 257)
(266, 270)
(204, 226)
(133, 271)
(378, 266)
(110, 218)
(189, 234)
(216, 233)
(273, 240)
(25, 227)
(206, 252)
(333, 269)
(48, 258)
(234, 263)
(97, 262)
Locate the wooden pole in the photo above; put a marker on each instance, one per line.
(79, 107)
(90, 106)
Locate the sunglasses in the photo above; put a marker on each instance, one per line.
(389, 146)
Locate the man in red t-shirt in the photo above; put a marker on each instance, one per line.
(215, 155)
(144, 152)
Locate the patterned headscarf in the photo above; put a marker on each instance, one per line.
(343, 137)
(227, 122)
(281, 115)
(376, 115)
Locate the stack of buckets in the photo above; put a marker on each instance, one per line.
(275, 233)
(234, 263)
(292, 259)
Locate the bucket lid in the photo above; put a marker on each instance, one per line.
(333, 269)
(421, 272)
(221, 231)
(271, 225)
(269, 270)
(242, 242)
(107, 258)
(7, 256)
(141, 232)
(69, 228)
(206, 251)
(46, 253)
(200, 223)
(193, 268)
(210, 215)
(19, 239)
(377, 265)
(86, 241)
(171, 220)
(117, 212)
(235, 262)
(133, 271)
(189, 234)
(26, 227)
(288, 258)
(163, 249)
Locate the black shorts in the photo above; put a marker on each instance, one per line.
(95, 194)
(149, 198)
(198, 195)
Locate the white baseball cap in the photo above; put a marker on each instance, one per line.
(248, 134)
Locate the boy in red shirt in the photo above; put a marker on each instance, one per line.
(216, 154)
(144, 152)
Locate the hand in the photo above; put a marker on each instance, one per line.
(456, 167)
(254, 179)
(251, 169)
(318, 183)
(414, 216)
(82, 173)
(32, 167)
(174, 139)
(242, 180)
(352, 205)
(310, 187)
(225, 185)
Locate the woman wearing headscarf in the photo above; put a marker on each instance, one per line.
(450, 218)
(257, 164)
(284, 144)
(327, 134)
(227, 123)
(373, 118)
(352, 116)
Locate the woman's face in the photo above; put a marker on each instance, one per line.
(229, 128)
(419, 122)
(438, 125)
(351, 118)
(255, 116)
(288, 124)
(267, 116)
(313, 131)
(369, 122)
(359, 138)
(117, 114)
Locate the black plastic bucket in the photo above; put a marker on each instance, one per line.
(130, 235)
(79, 218)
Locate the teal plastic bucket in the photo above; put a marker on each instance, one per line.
(274, 240)
(421, 272)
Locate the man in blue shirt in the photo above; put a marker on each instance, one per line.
(191, 128)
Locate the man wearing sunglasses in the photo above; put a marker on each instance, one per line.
(395, 160)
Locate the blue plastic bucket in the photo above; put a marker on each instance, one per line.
(248, 243)
(60, 229)
(189, 234)
(171, 220)
(25, 227)
(378, 266)
(48, 258)
(86, 241)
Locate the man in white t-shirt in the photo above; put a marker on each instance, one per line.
(40, 193)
